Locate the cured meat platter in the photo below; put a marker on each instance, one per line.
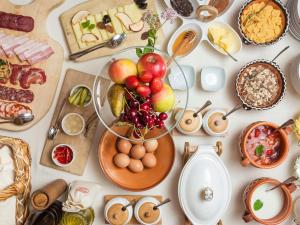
(96, 11)
(28, 79)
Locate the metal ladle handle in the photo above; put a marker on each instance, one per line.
(282, 51)
(208, 103)
(236, 108)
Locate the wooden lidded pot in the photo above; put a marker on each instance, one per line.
(246, 159)
(286, 211)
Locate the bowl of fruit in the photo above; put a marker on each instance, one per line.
(139, 95)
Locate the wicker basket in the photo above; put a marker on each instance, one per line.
(22, 186)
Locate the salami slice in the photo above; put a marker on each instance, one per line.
(17, 95)
(16, 22)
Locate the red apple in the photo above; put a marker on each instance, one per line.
(132, 82)
(143, 90)
(156, 85)
(145, 76)
(152, 63)
(120, 69)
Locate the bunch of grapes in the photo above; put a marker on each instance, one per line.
(139, 112)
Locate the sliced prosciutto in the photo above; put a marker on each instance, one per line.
(9, 110)
(17, 72)
(37, 53)
(33, 76)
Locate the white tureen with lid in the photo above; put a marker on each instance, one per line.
(204, 188)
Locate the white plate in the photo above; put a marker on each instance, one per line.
(204, 169)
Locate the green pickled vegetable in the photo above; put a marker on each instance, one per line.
(88, 98)
(83, 96)
(77, 99)
(74, 95)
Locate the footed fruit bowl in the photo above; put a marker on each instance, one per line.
(138, 95)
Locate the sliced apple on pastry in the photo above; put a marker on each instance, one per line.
(89, 37)
(136, 27)
(125, 19)
(80, 16)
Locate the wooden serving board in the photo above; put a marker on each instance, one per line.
(200, 133)
(132, 198)
(80, 143)
(43, 94)
(96, 6)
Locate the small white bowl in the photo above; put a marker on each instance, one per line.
(138, 206)
(79, 86)
(177, 117)
(177, 80)
(118, 200)
(56, 162)
(213, 78)
(64, 120)
(205, 123)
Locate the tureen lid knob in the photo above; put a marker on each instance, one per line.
(207, 194)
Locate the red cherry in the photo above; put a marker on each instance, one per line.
(146, 76)
(269, 152)
(143, 91)
(136, 134)
(163, 116)
(160, 124)
(145, 107)
(257, 133)
(131, 82)
(156, 85)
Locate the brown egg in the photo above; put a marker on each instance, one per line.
(136, 165)
(124, 146)
(151, 145)
(149, 160)
(121, 160)
(137, 152)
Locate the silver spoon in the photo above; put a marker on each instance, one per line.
(114, 42)
(236, 108)
(208, 103)
(20, 119)
(54, 129)
(284, 125)
(287, 181)
(129, 204)
(162, 203)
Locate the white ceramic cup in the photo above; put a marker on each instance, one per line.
(118, 200)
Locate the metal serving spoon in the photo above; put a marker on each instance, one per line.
(20, 119)
(54, 129)
(236, 108)
(208, 103)
(114, 42)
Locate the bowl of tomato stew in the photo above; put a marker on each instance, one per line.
(263, 148)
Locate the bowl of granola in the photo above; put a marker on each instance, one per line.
(261, 85)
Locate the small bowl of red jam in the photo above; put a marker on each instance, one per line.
(63, 155)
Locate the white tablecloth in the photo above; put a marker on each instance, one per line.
(204, 55)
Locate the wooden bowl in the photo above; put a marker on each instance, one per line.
(286, 210)
(126, 179)
(245, 157)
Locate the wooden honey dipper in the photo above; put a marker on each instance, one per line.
(188, 38)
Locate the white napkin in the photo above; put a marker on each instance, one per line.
(7, 207)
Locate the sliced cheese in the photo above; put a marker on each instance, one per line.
(110, 35)
(78, 34)
(103, 33)
(121, 10)
(115, 21)
(95, 31)
(133, 12)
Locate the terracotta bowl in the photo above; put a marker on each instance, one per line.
(286, 210)
(246, 160)
(148, 178)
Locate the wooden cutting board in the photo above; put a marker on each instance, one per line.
(131, 198)
(43, 94)
(80, 143)
(96, 6)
